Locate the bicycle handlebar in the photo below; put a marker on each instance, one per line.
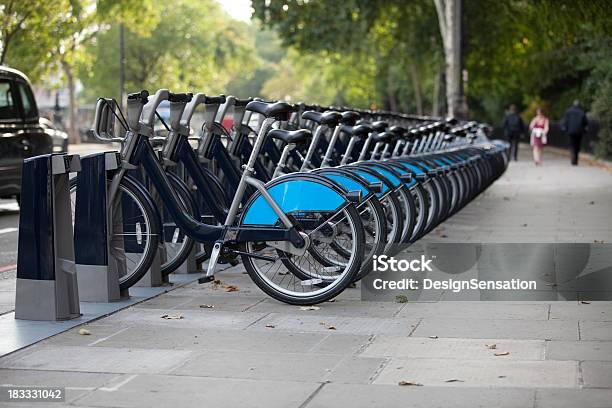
(104, 120)
(142, 96)
(147, 117)
(210, 100)
(196, 100)
(180, 97)
(242, 102)
(178, 102)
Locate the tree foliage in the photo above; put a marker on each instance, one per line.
(193, 46)
(387, 41)
(545, 52)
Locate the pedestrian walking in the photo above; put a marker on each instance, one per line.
(575, 124)
(514, 128)
(538, 129)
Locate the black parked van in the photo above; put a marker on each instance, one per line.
(21, 134)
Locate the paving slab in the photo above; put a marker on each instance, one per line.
(356, 370)
(579, 350)
(394, 396)
(564, 398)
(339, 307)
(510, 329)
(307, 322)
(180, 391)
(475, 373)
(185, 319)
(294, 366)
(448, 348)
(476, 310)
(593, 311)
(147, 337)
(212, 303)
(96, 359)
(597, 374)
(335, 343)
(590, 330)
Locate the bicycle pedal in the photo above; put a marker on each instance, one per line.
(206, 279)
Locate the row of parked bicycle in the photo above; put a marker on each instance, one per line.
(304, 196)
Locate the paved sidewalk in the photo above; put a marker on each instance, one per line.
(242, 349)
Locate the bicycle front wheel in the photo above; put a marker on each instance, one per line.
(135, 231)
(321, 273)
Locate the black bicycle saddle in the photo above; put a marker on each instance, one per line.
(349, 118)
(362, 130)
(398, 130)
(278, 110)
(329, 118)
(291, 136)
(383, 137)
(379, 126)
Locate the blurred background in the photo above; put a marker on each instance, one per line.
(464, 58)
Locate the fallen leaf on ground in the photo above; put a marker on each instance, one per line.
(507, 198)
(351, 285)
(504, 353)
(206, 306)
(501, 376)
(524, 225)
(598, 241)
(404, 382)
(592, 202)
(401, 299)
(433, 337)
(491, 346)
(584, 302)
(84, 332)
(328, 326)
(443, 236)
(331, 300)
(454, 380)
(172, 317)
(270, 326)
(309, 307)
(231, 288)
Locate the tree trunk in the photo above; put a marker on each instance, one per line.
(391, 98)
(435, 105)
(73, 136)
(449, 19)
(3, 54)
(418, 92)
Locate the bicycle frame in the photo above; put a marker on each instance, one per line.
(137, 151)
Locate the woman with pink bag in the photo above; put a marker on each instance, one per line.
(539, 130)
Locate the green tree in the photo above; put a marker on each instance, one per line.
(42, 36)
(395, 42)
(194, 46)
(29, 32)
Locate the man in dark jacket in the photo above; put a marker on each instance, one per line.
(513, 127)
(575, 124)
